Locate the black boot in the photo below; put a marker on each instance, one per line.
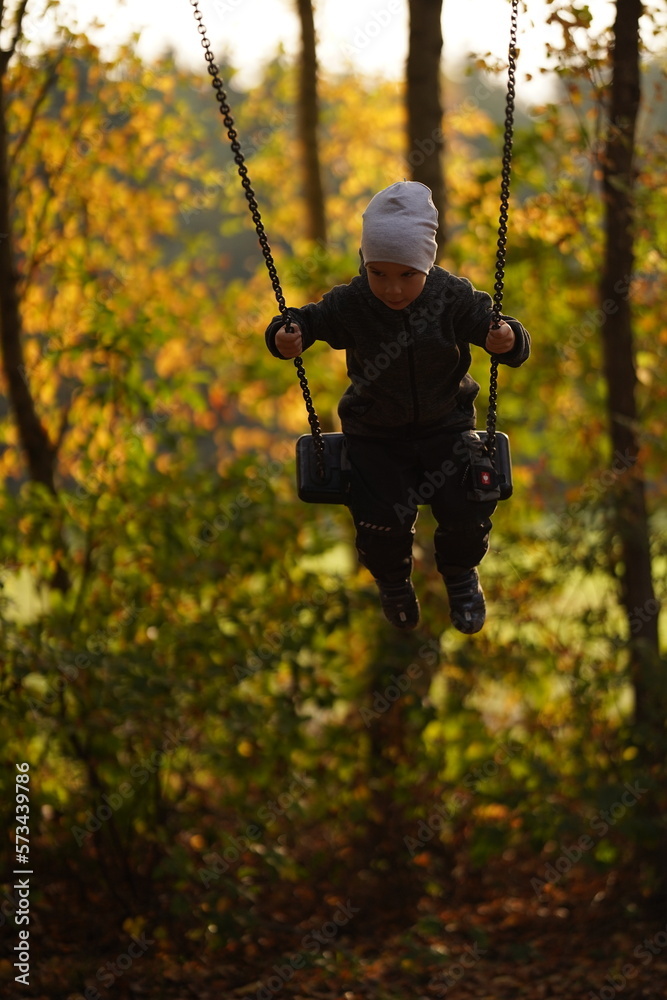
(399, 603)
(466, 601)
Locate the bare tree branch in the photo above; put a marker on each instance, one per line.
(33, 260)
(18, 21)
(49, 80)
(63, 427)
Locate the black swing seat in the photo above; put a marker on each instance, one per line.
(335, 486)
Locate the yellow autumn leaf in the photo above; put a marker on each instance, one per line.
(172, 357)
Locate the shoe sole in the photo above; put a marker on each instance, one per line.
(465, 628)
(404, 625)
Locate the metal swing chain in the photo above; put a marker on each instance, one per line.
(225, 111)
(501, 252)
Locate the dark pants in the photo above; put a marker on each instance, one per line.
(390, 477)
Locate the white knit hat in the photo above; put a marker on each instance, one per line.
(399, 226)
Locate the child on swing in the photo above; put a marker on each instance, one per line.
(406, 326)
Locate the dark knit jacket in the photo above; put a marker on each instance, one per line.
(408, 367)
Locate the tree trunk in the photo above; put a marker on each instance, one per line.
(424, 104)
(631, 527)
(308, 118)
(39, 452)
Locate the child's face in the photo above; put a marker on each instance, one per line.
(395, 284)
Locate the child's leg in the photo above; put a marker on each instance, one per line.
(462, 534)
(384, 521)
(383, 514)
(460, 544)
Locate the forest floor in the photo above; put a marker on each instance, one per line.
(467, 934)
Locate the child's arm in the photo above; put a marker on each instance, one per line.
(473, 323)
(315, 321)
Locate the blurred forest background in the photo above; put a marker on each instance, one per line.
(233, 758)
